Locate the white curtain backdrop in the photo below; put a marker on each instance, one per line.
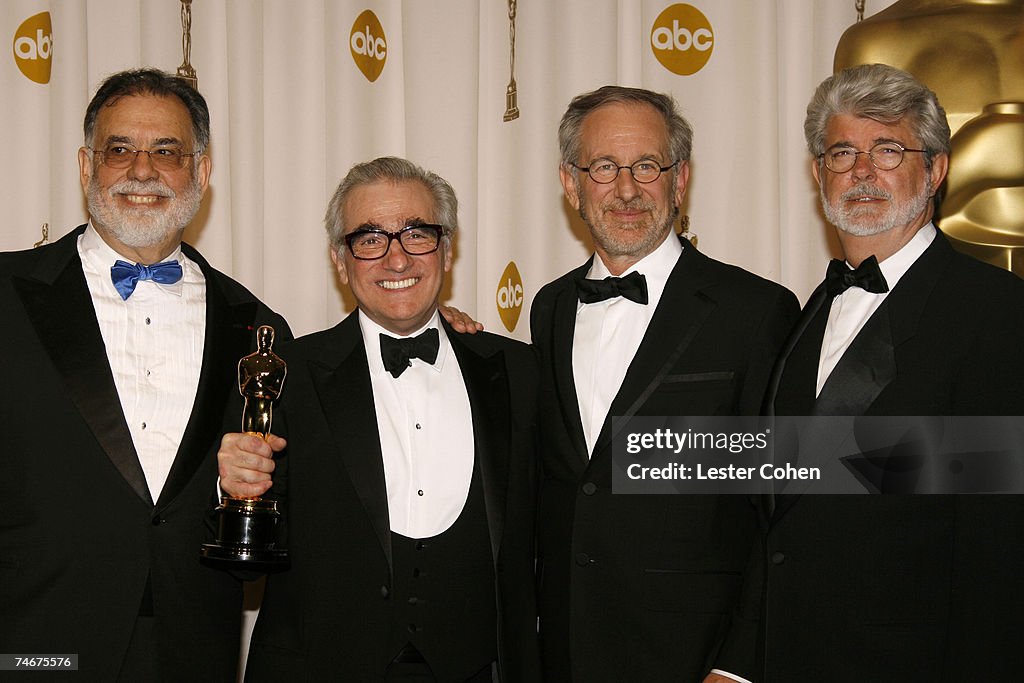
(292, 111)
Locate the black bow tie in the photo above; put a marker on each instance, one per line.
(632, 287)
(398, 353)
(868, 277)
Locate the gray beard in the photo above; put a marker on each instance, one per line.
(845, 217)
(142, 227)
(637, 248)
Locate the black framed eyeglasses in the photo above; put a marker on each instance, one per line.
(368, 244)
(604, 171)
(162, 158)
(885, 156)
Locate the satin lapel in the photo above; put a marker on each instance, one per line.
(229, 337)
(563, 326)
(681, 313)
(57, 301)
(342, 384)
(792, 385)
(867, 366)
(907, 301)
(488, 390)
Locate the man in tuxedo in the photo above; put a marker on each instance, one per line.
(640, 588)
(894, 588)
(120, 345)
(408, 479)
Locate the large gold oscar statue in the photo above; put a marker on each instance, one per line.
(971, 53)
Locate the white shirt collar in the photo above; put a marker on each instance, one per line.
(896, 266)
(658, 264)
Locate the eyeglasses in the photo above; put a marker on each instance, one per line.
(885, 156)
(162, 158)
(604, 171)
(369, 244)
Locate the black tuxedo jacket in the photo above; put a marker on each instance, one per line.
(640, 588)
(84, 546)
(328, 616)
(912, 587)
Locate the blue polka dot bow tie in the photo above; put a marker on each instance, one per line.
(126, 275)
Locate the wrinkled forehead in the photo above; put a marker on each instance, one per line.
(856, 131)
(143, 119)
(388, 205)
(624, 132)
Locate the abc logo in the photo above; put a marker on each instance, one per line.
(368, 45)
(33, 47)
(682, 39)
(509, 296)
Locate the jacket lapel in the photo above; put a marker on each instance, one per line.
(562, 332)
(488, 391)
(58, 303)
(229, 334)
(681, 313)
(865, 369)
(342, 384)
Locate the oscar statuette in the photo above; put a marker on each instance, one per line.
(246, 526)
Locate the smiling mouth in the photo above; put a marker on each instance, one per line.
(141, 198)
(398, 284)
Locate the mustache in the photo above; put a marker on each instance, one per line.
(865, 190)
(153, 187)
(637, 204)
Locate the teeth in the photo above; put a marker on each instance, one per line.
(400, 284)
(140, 198)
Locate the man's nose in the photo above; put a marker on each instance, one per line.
(142, 167)
(863, 168)
(626, 186)
(396, 259)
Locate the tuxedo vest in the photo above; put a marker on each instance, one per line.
(444, 602)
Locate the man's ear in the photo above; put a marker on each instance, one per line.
(937, 173)
(339, 265)
(84, 167)
(569, 185)
(682, 178)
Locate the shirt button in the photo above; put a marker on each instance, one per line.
(147, 321)
(590, 488)
(420, 492)
(778, 558)
(582, 559)
(419, 426)
(420, 545)
(143, 425)
(148, 373)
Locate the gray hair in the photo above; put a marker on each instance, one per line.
(394, 169)
(150, 82)
(881, 93)
(680, 134)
